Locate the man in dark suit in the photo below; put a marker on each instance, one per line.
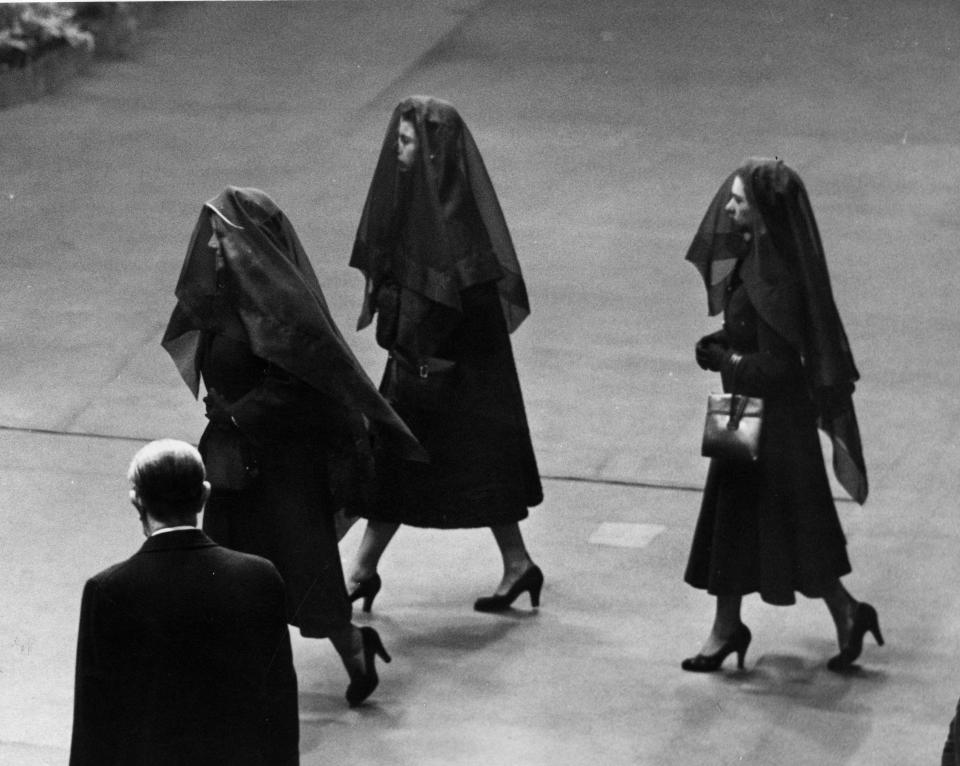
(183, 654)
(951, 752)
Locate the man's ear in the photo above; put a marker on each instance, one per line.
(136, 502)
(206, 492)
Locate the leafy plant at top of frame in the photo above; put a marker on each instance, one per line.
(28, 30)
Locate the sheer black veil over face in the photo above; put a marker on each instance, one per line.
(266, 294)
(437, 228)
(784, 270)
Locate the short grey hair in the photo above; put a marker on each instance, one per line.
(168, 477)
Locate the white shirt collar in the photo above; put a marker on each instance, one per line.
(170, 529)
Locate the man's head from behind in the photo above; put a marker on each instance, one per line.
(167, 484)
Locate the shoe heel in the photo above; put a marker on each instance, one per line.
(530, 582)
(875, 630)
(366, 590)
(744, 640)
(362, 686)
(708, 663)
(380, 649)
(535, 594)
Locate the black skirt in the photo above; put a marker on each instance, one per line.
(482, 470)
(286, 516)
(770, 527)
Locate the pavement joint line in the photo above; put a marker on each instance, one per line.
(423, 58)
(625, 483)
(661, 485)
(81, 434)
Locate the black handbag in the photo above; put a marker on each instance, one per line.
(733, 425)
(229, 458)
(426, 383)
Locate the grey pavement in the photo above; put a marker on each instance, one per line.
(606, 126)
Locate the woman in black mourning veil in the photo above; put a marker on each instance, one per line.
(772, 526)
(286, 393)
(443, 279)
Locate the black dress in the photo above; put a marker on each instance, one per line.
(252, 321)
(286, 516)
(482, 470)
(443, 279)
(769, 527)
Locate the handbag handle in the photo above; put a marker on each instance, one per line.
(738, 403)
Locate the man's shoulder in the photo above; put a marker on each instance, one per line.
(147, 570)
(111, 572)
(209, 549)
(202, 546)
(241, 560)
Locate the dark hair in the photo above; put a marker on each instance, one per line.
(272, 227)
(168, 477)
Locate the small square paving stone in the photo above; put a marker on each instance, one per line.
(625, 535)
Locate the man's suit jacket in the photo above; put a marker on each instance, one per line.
(951, 751)
(183, 657)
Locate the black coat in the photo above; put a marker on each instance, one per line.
(771, 526)
(444, 281)
(286, 514)
(482, 470)
(183, 657)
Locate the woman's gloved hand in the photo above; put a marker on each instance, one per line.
(218, 409)
(388, 315)
(710, 354)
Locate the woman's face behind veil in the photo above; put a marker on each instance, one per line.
(407, 145)
(214, 242)
(738, 206)
(215, 246)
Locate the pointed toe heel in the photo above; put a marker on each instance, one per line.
(865, 620)
(367, 590)
(530, 581)
(710, 663)
(363, 685)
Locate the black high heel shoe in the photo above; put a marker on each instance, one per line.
(367, 590)
(864, 620)
(362, 686)
(708, 663)
(531, 580)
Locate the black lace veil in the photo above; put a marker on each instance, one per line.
(784, 271)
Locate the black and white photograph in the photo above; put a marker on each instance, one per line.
(480, 383)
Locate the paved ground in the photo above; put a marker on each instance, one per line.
(606, 127)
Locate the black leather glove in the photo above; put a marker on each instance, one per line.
(710, 355)
(388, 315)
(218, 409)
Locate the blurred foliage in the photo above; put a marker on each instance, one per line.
(28, 30)
(114, 25)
